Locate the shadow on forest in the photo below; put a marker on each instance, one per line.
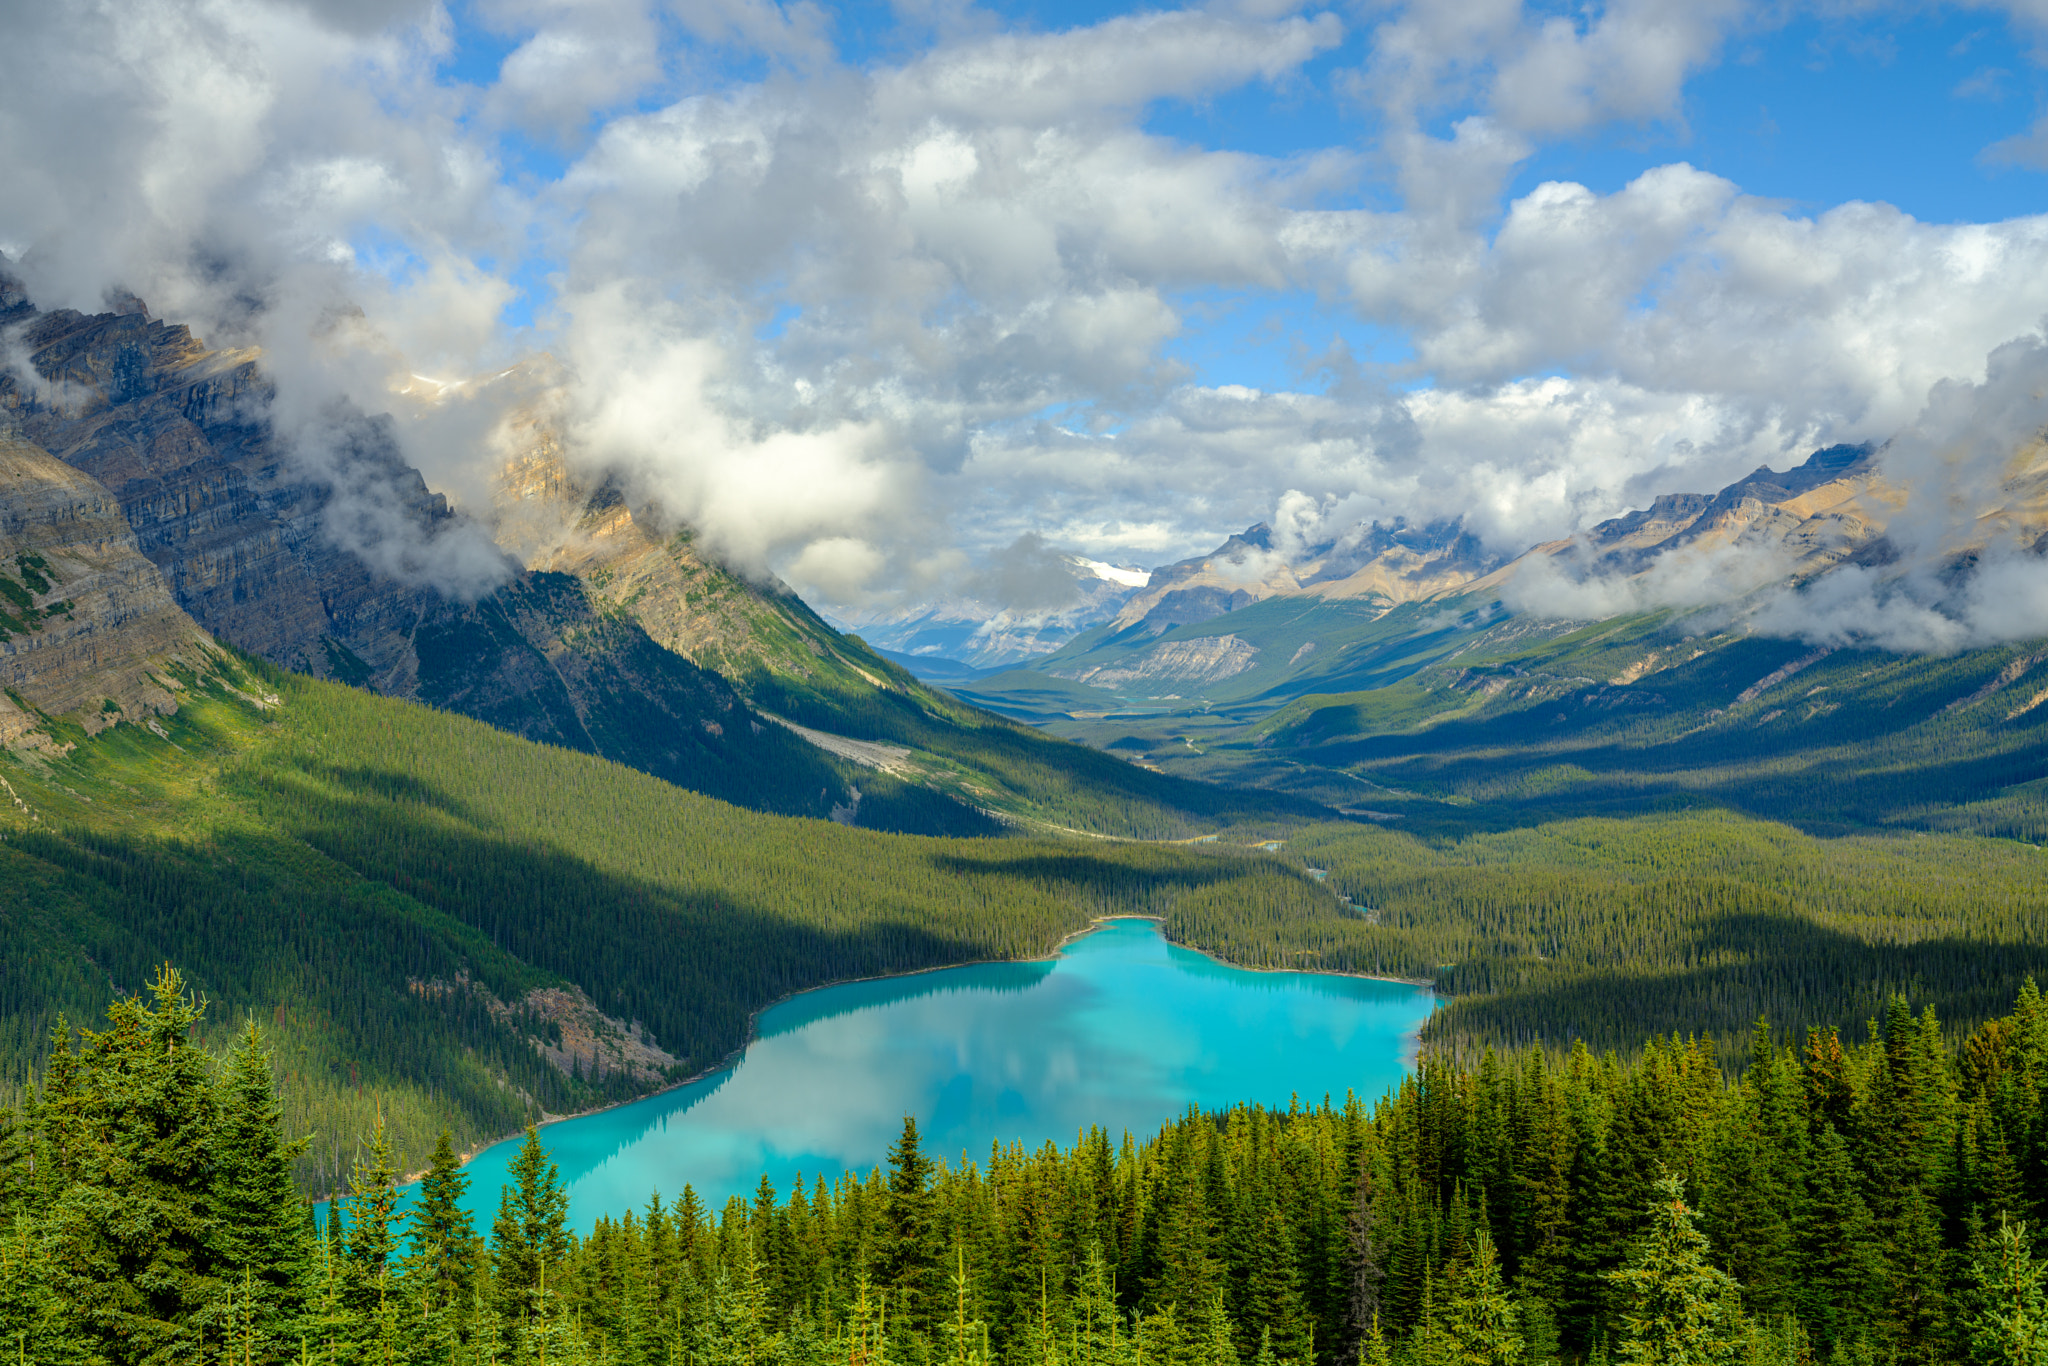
(1783, 968)
(692, 962)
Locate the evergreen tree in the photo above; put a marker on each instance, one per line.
(1373, 1349)
(1678, 1310)
(443, 1233)
(2010, 1325)
(134, 1231)
(1480, 1322)
(1917, 1279)
(1841, 1270)
(17, 1166)
(1273, 1300)
(33, 1326)
(529, 1239)
(907, 1254)
(261, 1232)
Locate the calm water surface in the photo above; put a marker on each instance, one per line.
(1122, 1030)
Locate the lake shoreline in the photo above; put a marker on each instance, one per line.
(732, 1058)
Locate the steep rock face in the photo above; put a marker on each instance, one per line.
(1377, 562)
(1396, 563)
(1799, 522)
(179, 434)
(1236, 574)
(88, 630)
(240, 532)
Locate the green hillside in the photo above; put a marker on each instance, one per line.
(1832, 741)
(946, 763)
(410, 902)
(995, 763)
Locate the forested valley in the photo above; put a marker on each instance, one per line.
(408, 927)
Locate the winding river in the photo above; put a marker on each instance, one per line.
(1122, 1029)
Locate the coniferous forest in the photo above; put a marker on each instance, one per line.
(1841, 1201)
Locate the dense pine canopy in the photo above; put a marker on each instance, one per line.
(1838, 1202)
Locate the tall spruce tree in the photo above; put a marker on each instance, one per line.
(1841, 1266)
(529, 1238)
(1480, 1321)
(908, 1253)
(444, 1243)
(2010, 1324)
(135, 1229)
(261, 1233)
(1677, 1308)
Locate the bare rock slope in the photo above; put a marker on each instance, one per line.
(88, 630)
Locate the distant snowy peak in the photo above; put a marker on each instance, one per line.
(987, 635)
(1117, 574)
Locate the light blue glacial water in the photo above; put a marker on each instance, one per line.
(1122, 1030)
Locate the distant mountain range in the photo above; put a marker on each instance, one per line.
(611, 631)
(1250, 624)
(957, 637)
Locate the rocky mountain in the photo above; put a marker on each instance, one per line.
(1812, 517)
(1242, 631)
(179, 434)
(1795, 523)
(924, 758)
(1376, 562)
(608, 629)
(89, 634)
(636, 565)
(246, 535)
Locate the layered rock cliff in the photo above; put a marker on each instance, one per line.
(88, 631)
(181, 436)
(255, 541)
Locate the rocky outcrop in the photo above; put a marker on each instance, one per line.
(1380, 563)
(635, 565)
(1236, 574)
(181, 436)
(1192, 662)
(1799, 522)
(88, 631)
(564, 1026)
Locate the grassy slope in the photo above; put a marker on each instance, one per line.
(785, 659)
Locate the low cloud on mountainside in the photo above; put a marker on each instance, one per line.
(871, 315)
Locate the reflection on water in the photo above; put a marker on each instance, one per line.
(1122, 1030)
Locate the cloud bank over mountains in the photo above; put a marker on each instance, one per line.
(871, 318)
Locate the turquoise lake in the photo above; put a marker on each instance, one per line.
(1122, 1030)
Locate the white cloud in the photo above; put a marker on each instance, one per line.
(850, 320)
